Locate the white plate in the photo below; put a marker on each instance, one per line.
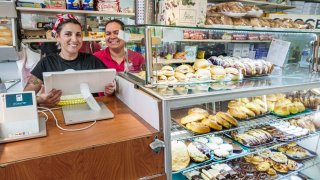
(232, 14)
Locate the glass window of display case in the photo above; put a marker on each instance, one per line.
(227, 111)
(188, 55)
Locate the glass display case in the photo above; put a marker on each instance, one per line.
(188, 55)
(224, 105)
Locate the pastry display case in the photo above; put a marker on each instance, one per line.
(191, 55)
(223, 105)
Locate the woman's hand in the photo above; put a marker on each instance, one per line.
(52, 98)
(110, 89)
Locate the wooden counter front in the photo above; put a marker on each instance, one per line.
(112, 149)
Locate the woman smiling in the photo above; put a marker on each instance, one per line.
(67, 31)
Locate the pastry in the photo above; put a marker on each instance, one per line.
(281, 110)
(172, 79)
(265, 153)
(279, 157)
(167, 70)
(253, 107)
(282, 168)
(180, 155)
(272, 172)
(235, 112)
(227, 147)
(221, 121)
(201, 64)
(198, 111)
(235, 104)
(198, 127)
(263, 166)
(213, 146)
(217, 72)
(198, 151)
(256, 160)
(192, 118)
(212, 124)
(228, 118)
(203, 74)
(184, 69)
(216, 140)
(237, 148)
(180, 77)
(292, 165)
(221, 153)
(247, 111)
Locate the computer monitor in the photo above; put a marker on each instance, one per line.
(82, 82)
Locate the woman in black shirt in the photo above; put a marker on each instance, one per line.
(67, 31)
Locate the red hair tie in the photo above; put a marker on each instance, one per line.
(62, 17)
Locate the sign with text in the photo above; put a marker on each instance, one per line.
(278, 52)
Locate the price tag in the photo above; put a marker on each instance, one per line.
(278, 52)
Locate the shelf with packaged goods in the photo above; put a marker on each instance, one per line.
(248, 87)
(53, 40)
(235, 28)
(310, 162)
(225, 41)
(171, 61)
(97, 13)
(262, 4)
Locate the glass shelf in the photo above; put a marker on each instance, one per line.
(262, 4)
(206, 92)
(235, 28)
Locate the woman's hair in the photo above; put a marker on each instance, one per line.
(116, 21)
(66, 21)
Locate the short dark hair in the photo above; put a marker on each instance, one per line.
(66, 21)
(116, 21)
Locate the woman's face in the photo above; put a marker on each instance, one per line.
(112, 31)
(70, 38)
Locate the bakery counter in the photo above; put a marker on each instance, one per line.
(117, 148)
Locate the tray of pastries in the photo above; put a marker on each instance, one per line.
(197, 151)
(197, 120)
(281, 106)
(222, 148)
(290, 132)
(247, 108)
(252, 138)
(218, 171)
(296, 152)
(307, 122)
(188, 154)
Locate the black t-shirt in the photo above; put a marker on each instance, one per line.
(54, 62)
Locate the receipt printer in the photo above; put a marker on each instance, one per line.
(18, 114)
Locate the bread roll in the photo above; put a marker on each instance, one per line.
(247, 111)
(235, 104)
(282, 110)
(293, 108)
(300, 106)
(217, 72)
(167, 70)
(228, 118)
(192, 118)
(201, 64)
(271, 97)
(235, 112)
(203, 74)
(172, 79)
(198, 127)
(221, 121)
(212, 124)
(5, 40)
(198, 111)
(5, 32)
(180, 155)
(183, 69)
(180, 77)
(253, 107)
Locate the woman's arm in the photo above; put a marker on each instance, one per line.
(35, 84)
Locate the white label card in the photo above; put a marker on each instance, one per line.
(278, 52)
(124, 36)
(172, 35)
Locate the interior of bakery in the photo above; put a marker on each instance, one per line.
(160, 89)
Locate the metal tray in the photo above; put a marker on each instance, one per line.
(176, 116)
(307, 110)
(248, 146)
(310, 154)
(255, 117)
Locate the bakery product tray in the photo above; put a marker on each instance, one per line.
(306, 111)
(256, 146)
(310, 155)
